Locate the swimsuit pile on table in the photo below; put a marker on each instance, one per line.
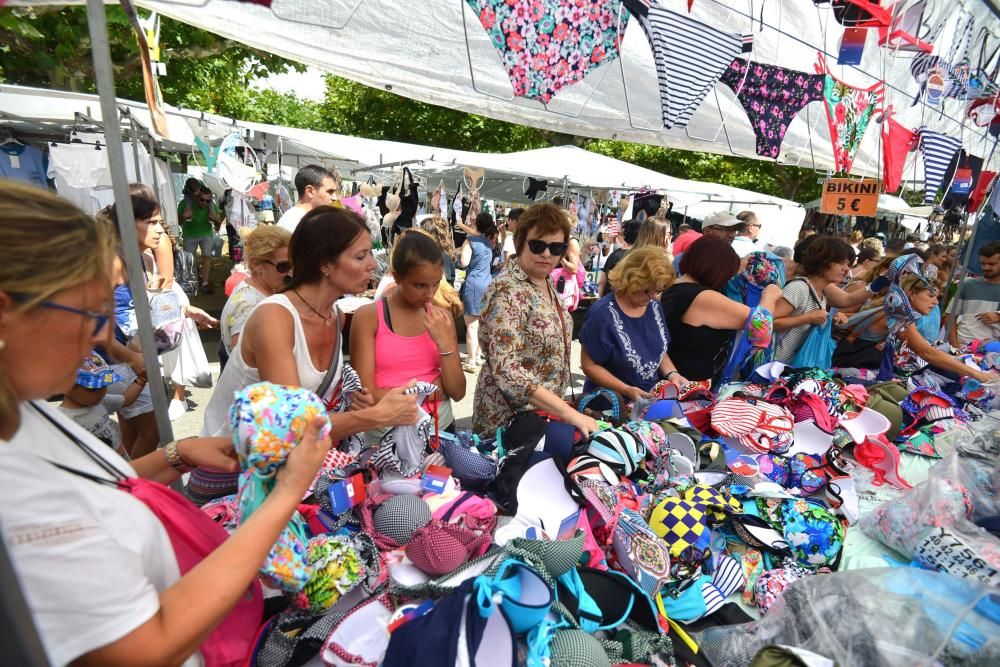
(694, 508)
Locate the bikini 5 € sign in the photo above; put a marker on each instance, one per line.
(847, 196)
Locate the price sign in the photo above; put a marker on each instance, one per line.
(845, 196)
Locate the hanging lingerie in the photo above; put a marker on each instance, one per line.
(848, 112)
(690, 56)
(771, 96)
(536, 186)
(897, 142)
(546, 45)
(962, 174)
(903, 32)
(938, 150)
(941, 78)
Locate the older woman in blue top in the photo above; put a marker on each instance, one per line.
(624, 336)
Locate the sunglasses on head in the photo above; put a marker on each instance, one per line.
(280, 267)
(556, 248)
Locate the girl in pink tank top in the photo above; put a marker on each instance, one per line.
(404, 336)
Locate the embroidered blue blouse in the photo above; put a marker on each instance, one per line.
(630, 348)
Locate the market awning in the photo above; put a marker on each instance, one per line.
(437, 51)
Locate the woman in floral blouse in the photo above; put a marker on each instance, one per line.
(525, 332)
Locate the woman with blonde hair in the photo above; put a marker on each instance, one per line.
(655, 232)
(624, 337)
(265, 252)
(96, 565)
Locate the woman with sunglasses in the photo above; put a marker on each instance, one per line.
(265, 251)
(624, 336)
(525, 330)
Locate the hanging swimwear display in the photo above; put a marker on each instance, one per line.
(848, 112)
(547, 44)
(897, 142)
(690, 57)
(938, 150)
(771, 96)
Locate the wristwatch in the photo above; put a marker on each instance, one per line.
(174, 458)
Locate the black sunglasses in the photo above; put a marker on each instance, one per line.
(556, 248)
(280, 267)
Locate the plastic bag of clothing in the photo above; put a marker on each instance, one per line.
(937, 523)
(891, 617)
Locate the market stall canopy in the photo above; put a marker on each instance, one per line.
(53, 114)
(438, 51)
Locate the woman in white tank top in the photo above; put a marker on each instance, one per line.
(291, 337)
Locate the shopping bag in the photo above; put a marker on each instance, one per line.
(817, 349)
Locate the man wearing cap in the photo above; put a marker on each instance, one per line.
(746, 236)
(722, 225)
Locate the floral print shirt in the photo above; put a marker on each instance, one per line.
(237, 311)
(525, 335)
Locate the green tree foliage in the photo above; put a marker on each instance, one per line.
(50, 47)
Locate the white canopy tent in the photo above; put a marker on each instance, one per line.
(437, 51)
(55, 113)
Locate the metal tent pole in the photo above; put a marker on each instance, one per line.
(97, 22)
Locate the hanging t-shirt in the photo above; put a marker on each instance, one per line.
(21, 162)
(91, 560)
(630, 348)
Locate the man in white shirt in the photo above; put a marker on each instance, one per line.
(316, 186)
(746, 238)
(978, 301)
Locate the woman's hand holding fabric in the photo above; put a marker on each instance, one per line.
(635, 393)
(304, 461)
(397, 408)
(583, 423)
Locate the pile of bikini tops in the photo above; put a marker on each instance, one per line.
(537, 546)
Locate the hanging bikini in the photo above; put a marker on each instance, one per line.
(771, 96)
(938, 150)
(940, 78)
(690, 57)
(848, 112)
(897, 142)
(545, 46)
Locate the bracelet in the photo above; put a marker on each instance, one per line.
(669, 373)
(445, 354)
(174, 458)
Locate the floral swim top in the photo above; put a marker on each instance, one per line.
(525, 336)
